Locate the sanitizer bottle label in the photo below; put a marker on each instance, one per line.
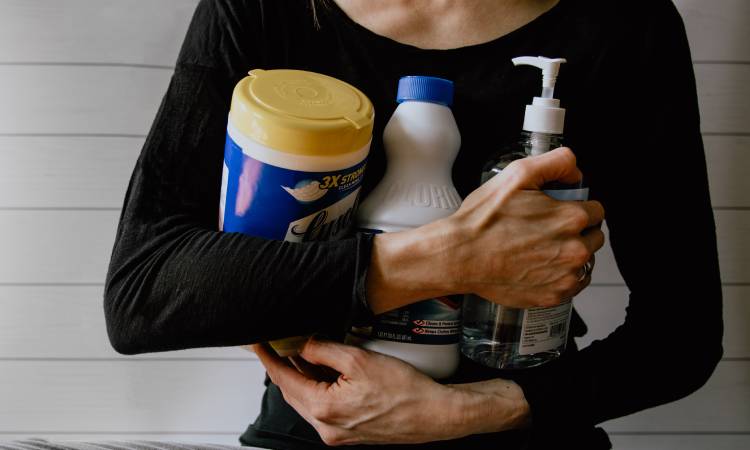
(264, 200)
(545, 329)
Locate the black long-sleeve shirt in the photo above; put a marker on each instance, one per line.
(176, 282)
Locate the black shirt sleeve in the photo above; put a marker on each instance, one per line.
(662, 231)
(174, 280)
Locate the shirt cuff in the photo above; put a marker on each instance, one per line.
(361, 314)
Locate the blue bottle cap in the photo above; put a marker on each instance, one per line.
(425, 89)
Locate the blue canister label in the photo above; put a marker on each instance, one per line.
(264, 200)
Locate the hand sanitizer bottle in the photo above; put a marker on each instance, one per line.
(421, 142)
(510, 338)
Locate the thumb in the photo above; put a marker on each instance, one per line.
(343, 358)
(536, 171)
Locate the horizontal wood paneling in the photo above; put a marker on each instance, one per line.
(194, 397)
(722, 405)
(74, 83)
(190, 397)
(68, 322)
(717, 30)
(728, 160)
(124, 100)
(733, 235)
(150, 32)
(724, 96)
(99, 31)
(680, 442)
(86, 172)
(128, 439)
(73, 99)
(66, 172)
(56, 246)
(603, 309)
(47, 247)
(605, 269)
(619, 442)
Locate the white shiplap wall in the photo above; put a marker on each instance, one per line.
(65, 158)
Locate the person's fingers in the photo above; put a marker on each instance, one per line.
(595, 211)
(273, 364)
(291, 381)
(341, 357)
(593, 239)
(536, 171)
(320, 373)
(269, 358)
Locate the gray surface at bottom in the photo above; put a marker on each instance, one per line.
(42, 444)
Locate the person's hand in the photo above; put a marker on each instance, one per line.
(509, 243)
(519, 247)
(377, 399)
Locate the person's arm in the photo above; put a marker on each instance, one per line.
(378, 399)
(174, 280)
(508, 242)
(654, 187)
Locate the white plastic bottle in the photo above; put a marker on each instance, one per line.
(421, 142)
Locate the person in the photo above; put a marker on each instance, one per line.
(176, 282)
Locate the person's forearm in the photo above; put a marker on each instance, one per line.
(489, 407)
(508, 243)
(408, 266)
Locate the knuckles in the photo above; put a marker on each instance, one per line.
(354, 359)
(323, 411)
(561, 291)
(569, 285)
(576, 253)
(575, 220)
(331, 436)
(568, 155)
(517, 171)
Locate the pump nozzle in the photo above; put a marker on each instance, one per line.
(550, 68)
(544, 115)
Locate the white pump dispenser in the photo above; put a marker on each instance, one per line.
(509, 338)
(544, 115)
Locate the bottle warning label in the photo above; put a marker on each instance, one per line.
(544, 329)
(433, 321)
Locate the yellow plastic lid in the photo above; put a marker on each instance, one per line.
(301, 112)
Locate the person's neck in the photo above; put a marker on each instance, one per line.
(443, 24)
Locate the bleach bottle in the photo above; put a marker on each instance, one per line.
(421, 142)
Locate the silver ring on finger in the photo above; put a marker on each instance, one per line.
(585, 271)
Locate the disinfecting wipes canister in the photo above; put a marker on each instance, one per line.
(295, 155)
